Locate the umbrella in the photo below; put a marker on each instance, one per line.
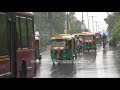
(104, 32)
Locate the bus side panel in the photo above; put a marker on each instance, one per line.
(5, 68)
(29, 57)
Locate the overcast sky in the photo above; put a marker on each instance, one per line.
(99, 16)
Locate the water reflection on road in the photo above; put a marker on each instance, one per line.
(105, 63)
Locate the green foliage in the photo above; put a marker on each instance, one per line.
(75, 24)
(116, 32)
(111, 20)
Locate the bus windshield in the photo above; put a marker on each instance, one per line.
(58, 43)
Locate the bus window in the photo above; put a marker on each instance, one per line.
(30, 31)
(24, 32)
(3, 35)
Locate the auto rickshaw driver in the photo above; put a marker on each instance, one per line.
(78, 44)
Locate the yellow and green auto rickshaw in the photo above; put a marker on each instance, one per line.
(98, 38)
(62, 48)
(89, 42)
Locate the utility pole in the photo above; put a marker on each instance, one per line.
(82, 21)
(92, 22)
(96, 25)
(88, 20)
(49, 17)
(82, 17)
(98, 28)
(67, 24)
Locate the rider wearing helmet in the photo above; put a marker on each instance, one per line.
(104, 38)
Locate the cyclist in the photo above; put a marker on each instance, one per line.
(104, 39)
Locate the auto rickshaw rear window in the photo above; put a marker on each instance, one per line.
(58, 42)
(88, 37)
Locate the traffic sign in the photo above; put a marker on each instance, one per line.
(44, 34)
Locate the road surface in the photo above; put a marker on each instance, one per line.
(100, 64)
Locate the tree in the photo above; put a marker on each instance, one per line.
(111, 20)
(75, 24)
(116, 32)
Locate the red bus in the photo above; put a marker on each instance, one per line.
(17, 45)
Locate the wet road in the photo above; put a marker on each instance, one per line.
(102, 64)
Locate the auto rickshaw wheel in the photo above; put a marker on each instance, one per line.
(76, 57)
(88, 50)
(72, 61)
(95, 49)
(53, 63)
(58, 62)
(83, 50)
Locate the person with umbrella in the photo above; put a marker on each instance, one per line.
(104, 37)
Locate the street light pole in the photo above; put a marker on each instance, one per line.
(92, 22)
(82, 21)
(67, 23)
(49, 17)
(96, 25)
(88, 20)
(82, 17)
(98, 28)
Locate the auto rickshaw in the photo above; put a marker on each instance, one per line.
(37, 48)
(89, 42)
(62, 48)
(98, 38)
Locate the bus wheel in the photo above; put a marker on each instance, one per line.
(24, 69)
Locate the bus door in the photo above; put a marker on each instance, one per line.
(13, 48)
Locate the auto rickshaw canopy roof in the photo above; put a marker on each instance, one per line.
(62, 36)
(89, 33)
